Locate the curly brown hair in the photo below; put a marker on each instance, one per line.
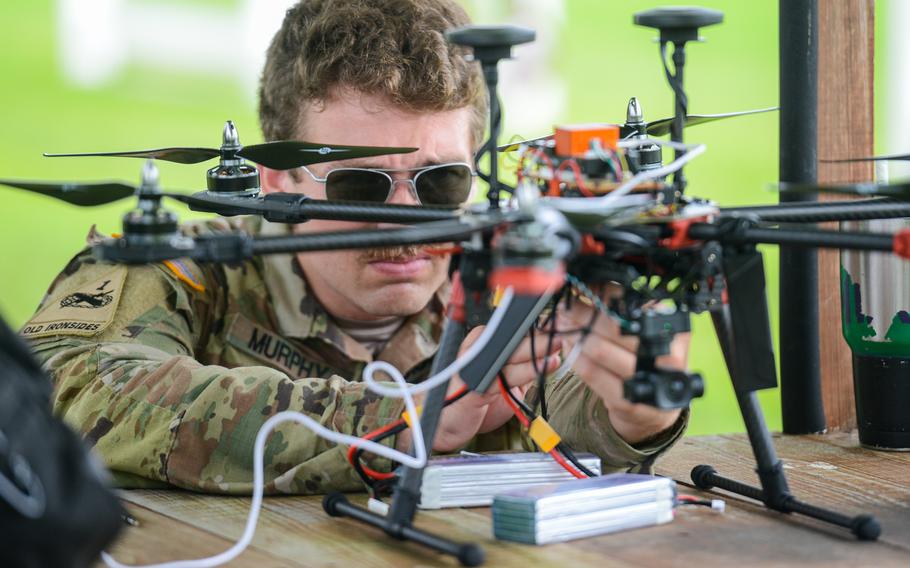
(392, 48)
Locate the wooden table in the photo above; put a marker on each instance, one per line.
(830, 470)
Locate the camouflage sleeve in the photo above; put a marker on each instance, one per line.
(583, 422)
(133, 388)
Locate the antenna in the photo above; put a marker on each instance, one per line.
(678, 25)
(490, 44)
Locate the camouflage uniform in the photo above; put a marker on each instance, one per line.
(170, 370)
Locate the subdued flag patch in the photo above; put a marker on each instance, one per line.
(184, 274)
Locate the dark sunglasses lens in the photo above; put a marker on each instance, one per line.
(445, 185)
(356, 185)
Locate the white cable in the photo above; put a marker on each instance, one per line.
(570, 359)
(588, 204)
(692, 151)
(404, 391)
(258, 474)
(445, 374)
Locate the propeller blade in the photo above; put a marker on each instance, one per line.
(873, 158)
(83, 194)
(514, 145)
(178, 155)
(288, 154)
(662, 126)
(658, 127)
(898, 190)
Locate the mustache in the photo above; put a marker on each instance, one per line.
(391, 253)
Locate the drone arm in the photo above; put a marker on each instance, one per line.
(236, 247)
(742, 233)
(822, 211)
(427, 233)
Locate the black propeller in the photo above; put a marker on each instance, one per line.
(655, 128)
(82, 194)
(278, 207)
(280, 155)
(662, 126)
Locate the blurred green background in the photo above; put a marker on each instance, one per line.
(595, 56)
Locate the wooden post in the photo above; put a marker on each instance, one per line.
(845, 129)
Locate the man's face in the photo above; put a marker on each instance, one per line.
(368, 285)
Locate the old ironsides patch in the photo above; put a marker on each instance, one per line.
(85, 311)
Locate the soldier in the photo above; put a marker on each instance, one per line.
(169, 370)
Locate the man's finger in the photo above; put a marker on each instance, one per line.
(523, 353)
(610, 357)
(520, 374)
(579, 317)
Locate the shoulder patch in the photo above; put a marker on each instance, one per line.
(184, 274)
(88, 310)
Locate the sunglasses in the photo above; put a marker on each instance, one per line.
(445, 185)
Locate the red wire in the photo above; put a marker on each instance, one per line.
(576, 171)
(378, 475)
(553, 189)
(526, 423)
(515, 410)
(565, 464)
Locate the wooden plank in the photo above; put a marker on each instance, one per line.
(744, 536)
(296, 528)
(826, 470)
(845, 129)
(837, 475)
(740, 535)
(158, 539)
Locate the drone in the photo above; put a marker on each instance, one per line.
(592, 205)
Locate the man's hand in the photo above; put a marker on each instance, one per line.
(607, 359)
(482, 412)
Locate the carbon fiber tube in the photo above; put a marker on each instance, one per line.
(440, 232)
(820, 212)
(385, 213)
(818, 238)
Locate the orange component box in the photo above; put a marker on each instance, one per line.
(574, 140)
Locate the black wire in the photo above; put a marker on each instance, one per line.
(358, 467)
(675, 84)
(542, 374)
(529, 413)
(565, 451)
(702, 502)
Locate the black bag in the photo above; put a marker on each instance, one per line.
(55, 509)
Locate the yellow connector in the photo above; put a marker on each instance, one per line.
(543, 434)
(497, 295)
(407, 417)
